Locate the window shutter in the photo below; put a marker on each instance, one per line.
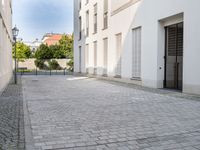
(136, 53)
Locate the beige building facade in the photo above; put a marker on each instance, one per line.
(5, 43)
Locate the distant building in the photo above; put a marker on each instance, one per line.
(5, 43)
(51, 38)
(33, 45)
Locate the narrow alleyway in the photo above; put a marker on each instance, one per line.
(88, 114)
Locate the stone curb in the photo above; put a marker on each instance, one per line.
(29, 141)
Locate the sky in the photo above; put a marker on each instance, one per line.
(34, 18)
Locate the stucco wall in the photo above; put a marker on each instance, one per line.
(5, 43)
(30, 63)
(152, 16)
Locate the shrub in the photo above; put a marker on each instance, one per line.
(40, 64)
(54, 65)
(70, 65)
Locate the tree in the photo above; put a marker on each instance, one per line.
(22, 51)
(66, 46)
(43, 52)
(57, 52)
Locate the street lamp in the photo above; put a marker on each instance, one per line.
(15, 32)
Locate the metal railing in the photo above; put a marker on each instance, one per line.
(25, 71)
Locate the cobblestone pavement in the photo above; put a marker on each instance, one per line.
(11, 119)
(87, 114)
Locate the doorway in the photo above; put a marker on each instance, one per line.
(174, 56)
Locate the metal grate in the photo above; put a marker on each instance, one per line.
(175, 40)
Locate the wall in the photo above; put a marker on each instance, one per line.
(30, 63)
(5, 43)
(153, 42)
(152, 16)
(101, 34)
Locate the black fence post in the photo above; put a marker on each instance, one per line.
(36, 71)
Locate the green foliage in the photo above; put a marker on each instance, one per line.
(64, 49)
(40, 64)
(66, 46)
(70, 65)
(57, 52)
(53, 65)
(22, 51)
(43, 52)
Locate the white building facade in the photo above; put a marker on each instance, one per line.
(33, 45)
(151, 43)
(5, 43)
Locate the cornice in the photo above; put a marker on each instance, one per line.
(128, 4)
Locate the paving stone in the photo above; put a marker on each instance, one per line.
(93, 114)
(11, 118)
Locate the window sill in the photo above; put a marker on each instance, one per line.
(117, 76)
(105, 28)
(136, 79)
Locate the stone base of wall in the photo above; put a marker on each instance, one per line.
(4, 80)
(30, 63)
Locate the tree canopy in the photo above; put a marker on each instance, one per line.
(66, 46)
(44, 52)
(22, 51)
(64, 49)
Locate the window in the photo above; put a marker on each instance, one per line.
(95, 57)
(87, 55)
(80, 5)
(95, 54)
(136, 53)
(80, 28)
(95, 18)
(105, 54)
(87, 1)
(105, 46)
(118, 54)
(87, 23)
(80, 59)
(105, 15)
(3, 2)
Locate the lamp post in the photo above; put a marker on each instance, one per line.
(15, 32)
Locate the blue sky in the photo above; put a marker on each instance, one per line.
(34, 18)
